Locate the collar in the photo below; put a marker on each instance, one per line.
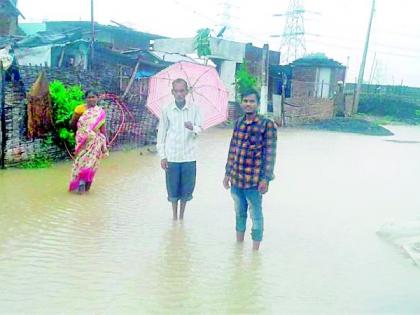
(186, 106)
(256, 119)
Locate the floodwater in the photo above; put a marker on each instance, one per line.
(117, 251)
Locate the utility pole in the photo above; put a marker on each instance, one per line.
(363, 63)
(92, 43)
(372, 69)
(264, 78)
(3, 117)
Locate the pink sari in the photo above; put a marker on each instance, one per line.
(90, 147)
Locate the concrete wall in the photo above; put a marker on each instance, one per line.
(220, 48)
(227, 74)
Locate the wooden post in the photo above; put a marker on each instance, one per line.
(121, 78)
(264, 78)
(3, 117)
(92, 44)
(60, 61)
(133, 76)
(283, 96)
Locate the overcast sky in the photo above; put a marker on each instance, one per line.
(334, 27)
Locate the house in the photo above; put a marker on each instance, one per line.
(9, 14)
(53, 49)
(309, 85)
(119, 37)
(67, 43)
(315, 76)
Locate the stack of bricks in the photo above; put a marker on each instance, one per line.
(302, 110)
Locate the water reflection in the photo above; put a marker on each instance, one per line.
(175, 277)
(245, 280)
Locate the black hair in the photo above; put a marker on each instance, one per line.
(88, 92)
(251, 91)
(180, 80)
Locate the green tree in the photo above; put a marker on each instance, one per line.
(244, 79)
(202, 43)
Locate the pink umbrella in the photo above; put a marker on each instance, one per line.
(206, 91)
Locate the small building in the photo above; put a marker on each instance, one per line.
(117, 37)
(53, 50)
(67, 43)
(315, 76)
(9, 15)
(309, 85)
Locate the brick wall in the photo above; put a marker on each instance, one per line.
(301, 110)
(18, 147)
(303, 83)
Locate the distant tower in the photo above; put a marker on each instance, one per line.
(293, 38)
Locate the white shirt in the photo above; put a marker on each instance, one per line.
(175, 142)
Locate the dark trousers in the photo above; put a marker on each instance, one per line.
(180, 180)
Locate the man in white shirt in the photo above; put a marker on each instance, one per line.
(179, 126)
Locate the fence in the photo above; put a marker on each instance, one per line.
(405, 93)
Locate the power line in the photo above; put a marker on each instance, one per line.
(375, 43)
(354, 48)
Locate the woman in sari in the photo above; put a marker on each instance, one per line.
(91, 143)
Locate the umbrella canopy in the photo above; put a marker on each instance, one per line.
(206, 90)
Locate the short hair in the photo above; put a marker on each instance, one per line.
(180, 80)
(251, 91)
(91, 92)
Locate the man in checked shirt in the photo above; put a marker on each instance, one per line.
(250, 166)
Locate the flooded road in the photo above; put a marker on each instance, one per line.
(117, 251)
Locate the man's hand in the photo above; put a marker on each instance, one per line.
(164, 164)
(226, 182)
(263, 186)
(189, 125)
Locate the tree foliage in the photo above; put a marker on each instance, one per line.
(202, 42)
(64, 102)
(244, 79)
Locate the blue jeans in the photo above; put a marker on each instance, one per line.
(251, 199)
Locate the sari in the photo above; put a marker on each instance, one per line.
(90, 148)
